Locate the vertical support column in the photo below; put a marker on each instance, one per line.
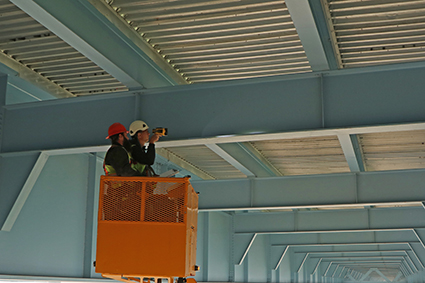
(246, 269)
(90, 215)
(268, 259)
(204, 269)
(96, 192)
(3, 87)
(232, 249)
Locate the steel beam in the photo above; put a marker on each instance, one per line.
(283, 109)
(3, 88)
(26, 190)
(339, 252)
(317, 266)
(302, 263)
(308, 33)
(183, 163)
(347, 190)
(230, 159)
(399, 274)
(358, 152)
(112, 57)
(416, 256)
(281, 258)
(161, 65)
(34, 78)
(247, 249)
(382, 275)
(397, 219)
(251, 159)
(349, 152)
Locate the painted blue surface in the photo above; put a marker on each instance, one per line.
(48, 236)
(258, 259)
(219, 247)
(3, 82)
(59, 121)
(21, 91)
(14, 171)
(342, 188)
(349, 100)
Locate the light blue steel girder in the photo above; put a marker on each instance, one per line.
(347, 189)
(25, 192)
(251, 158)
(21, 82)
(230, 159)
(382, 275)
(342, 260)
(281, 258)
(351, 152)
(398, 276)
(292, 105)
(359, 242)
(308, 33)
(325, 260)
(358, 152)
(45, 87)
(3, 88)
(331, 220)
(92, 198)
(302, 263)
(98, 39)
(406, 256)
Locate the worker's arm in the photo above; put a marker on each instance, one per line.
(142, 156)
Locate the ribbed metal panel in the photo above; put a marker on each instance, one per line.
(394, 150)
(208, 161)
(306, 156)
(216, 40)
(31, 44)
(377, 32)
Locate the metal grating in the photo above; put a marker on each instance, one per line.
(216, 40)
(377, 32)
(141, 201)
(28, 42)
(208, 161)
(305, 156)
(393, 150)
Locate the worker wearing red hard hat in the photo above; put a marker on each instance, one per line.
(118, 160)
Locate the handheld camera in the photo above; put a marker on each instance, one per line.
(160, 131)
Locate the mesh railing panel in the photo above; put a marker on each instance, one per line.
(142, 201)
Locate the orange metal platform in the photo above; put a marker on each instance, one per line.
(147, 228)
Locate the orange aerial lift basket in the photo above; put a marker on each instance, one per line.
(146, 229)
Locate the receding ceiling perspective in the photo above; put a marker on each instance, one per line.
(312, 201)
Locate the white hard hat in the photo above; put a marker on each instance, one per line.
(137, 126)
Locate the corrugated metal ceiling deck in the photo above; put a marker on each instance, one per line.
(377, 32)
(219, 40)
(393, 150)
(322, 155)
(28, 42)
(400, 150)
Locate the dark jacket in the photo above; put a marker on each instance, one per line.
(140, 154)
(119, 159)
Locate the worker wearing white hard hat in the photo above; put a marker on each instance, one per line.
(139, 138)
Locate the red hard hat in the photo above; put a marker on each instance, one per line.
(116, 128)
